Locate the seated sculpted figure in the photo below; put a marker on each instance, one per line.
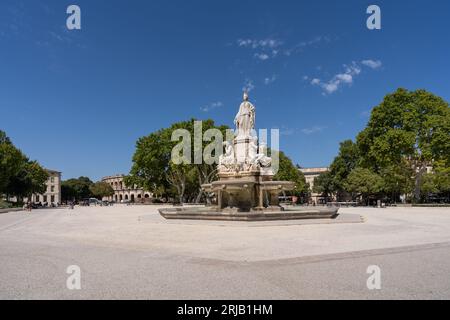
(226, 160)
(259, 158)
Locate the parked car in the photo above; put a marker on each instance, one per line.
(91, 202)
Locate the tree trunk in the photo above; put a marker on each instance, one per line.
(199, 196)
(418, 181)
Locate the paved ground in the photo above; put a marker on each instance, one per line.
(131, 252)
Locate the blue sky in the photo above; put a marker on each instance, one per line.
(78, 100)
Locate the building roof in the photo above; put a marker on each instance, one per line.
(316, 170)
(115, 176)
(53, 171)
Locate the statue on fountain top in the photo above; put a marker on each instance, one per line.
(244, 154)
(245, 118)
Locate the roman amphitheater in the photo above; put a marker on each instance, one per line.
(122, 193)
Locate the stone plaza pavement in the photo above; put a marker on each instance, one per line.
(128, 252)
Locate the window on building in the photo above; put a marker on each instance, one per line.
(52, 189)
(52, 199)
(52, 179)
(45, 198)
(38, 198)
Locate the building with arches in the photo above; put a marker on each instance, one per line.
(122, 193)
(310, 174)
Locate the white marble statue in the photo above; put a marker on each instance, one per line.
(227, 160)
(258, 157)
(245, 118)
(243, 154)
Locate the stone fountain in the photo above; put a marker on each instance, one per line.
(246, 190)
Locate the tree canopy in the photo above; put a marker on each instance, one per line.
(409, 128)
(154, 171)
(408, 132)
(363, 182)
(101, 189)
(19, 176)
(289, 172)
(76, 189)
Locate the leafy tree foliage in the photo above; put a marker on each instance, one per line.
(19, 176)
(101, 189)
(324, 185)
(397, 180)
(153, 169)
(76, 189)
(347, 160)
(436, 182)
(289, 172)
(363, 182)
(11, 161)
(407, 133)
(408, 125)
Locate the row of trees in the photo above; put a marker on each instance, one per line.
(404, 150)
(83, 188)
(154, 171)
(19, 176)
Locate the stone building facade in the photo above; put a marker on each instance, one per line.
(52, 196)
(310, 174)
(122, 193)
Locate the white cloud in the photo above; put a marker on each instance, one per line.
(270, 80)
(286, 130)
(248, 85)
(331, 87)
(271, 47)
(262, 56)
(374, 64)
(255, 44)
(299, 47)
(344, 78)
(314, 129)
(244, 42)
(212, 106)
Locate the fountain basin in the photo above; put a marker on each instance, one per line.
(210, 213)
(248, 199)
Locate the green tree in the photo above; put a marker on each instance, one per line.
(347, 160)
(11, 162)
(153, 169)
(442, 174)
(408, 126)
(76, 189)
(19, 176)
(436, 182)
(363, 182)
(68, 192)
(101, 189)
(37, 177)
(428, 186)
(151, 162)
(287, 171)
(324, 185)
(397, 180)
(31, 178)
